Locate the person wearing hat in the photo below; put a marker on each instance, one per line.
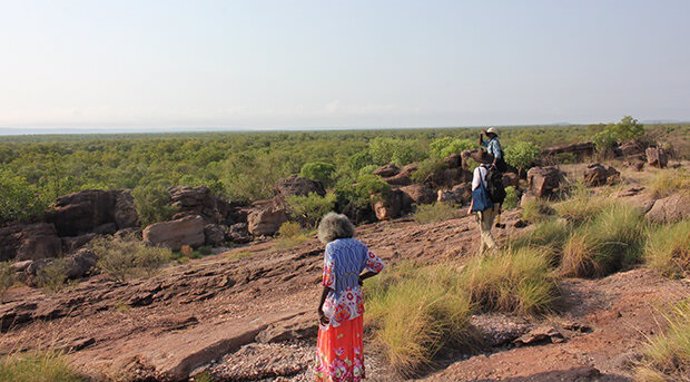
(493, 147)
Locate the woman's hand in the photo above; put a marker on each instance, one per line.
(323, 320)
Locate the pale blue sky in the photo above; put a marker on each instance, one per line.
(155, 64)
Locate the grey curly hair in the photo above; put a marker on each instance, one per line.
(335, 226)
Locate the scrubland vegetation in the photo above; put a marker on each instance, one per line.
(123, 258)
(38, 367)
(429, 213)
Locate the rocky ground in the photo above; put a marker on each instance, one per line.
(249, 315)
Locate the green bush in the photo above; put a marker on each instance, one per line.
(359, 192)
(38, 367)
(612, 241)
(628, 128)
(443, 147)
(427, 167)
(311, 208)
(521, 155)
(360, 160)
(395, 150)
(19, 200)
(536, 210)
(666, 356)
(6, 277)
(124, 258)
(53, 276)
(431, 213)
(512, 200)
(319, 171)
(668, 249)
(549, 236)
(152, 202)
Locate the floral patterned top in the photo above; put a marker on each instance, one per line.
(344, 261)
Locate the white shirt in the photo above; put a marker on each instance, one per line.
(479, 175)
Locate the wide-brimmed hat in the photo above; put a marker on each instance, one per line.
(492, 130)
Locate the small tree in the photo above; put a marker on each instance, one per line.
(311, 207)
(19, 200)
(443, 147)
(522, 154)
(319, 171)
(152, 202)
(398, 151)
(627, 128)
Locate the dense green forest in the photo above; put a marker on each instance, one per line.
(243, 166)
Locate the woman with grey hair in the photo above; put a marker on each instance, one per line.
(347, 263)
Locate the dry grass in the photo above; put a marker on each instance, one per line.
(536, 210)
(549, 236)
(667, 182)
(610, 242)
(291, 235)
(52, 277)
(37, 367)
(582, 207)
(666, 357)
(6, 277)
(668, 249)
(431, 213)
(124, 258)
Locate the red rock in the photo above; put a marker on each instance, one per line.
(176, 233)
(419, 194)
(267, 218)
(544, 181)
(597, 175)
(656, 157)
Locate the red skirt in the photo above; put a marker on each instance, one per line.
(339, 353)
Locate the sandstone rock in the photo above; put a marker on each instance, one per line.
(579, 150)
(597, 175)
(544, 181)
(38, 241)
(448, 177)
(82, 212)
(81, 263)
(72, 244)
(174, 234)
(387, 170)
(298, 328)
(193, 201)
(453, 161)
(656, 157)
(632, 148)
(391, 205)
(215, 234)
(671, 209)
(266, 219)
(540, 335)
(499, 329)
(419, 194)
(239, 233)
(511, 179)
(296, 185)
(476, 155)
(458, 195)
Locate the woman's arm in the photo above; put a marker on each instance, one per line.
(365, 276)
(322, 317)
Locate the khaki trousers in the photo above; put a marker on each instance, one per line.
(486, 221)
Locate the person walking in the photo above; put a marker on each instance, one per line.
(482, 205)
(493, 147)
(347, 263)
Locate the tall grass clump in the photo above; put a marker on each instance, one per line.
(290, 234)
(38, 367)
(582, 207)
(431, 213)
(124, 258)
(667, 182)
(610, 242)
(668, 249)
(549, 236)
(415, 314)
(6, 277)
(516, 281)
(512, 200)
(53, 276)
(536, 210)
(666, 357)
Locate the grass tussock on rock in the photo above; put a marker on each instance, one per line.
(612, 241)
(668, 249)
(666, 357)
(549, 236)
(666, 183)
(38, 367)
(431, 213)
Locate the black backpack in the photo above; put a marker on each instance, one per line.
(494, 182)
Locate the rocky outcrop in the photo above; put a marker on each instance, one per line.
(671, 209)
(72, 244)
(597, 175)
(391, 204)
(200, 201)
(511, 179)
(631, 149)
(29, 242)
(173, 234)
(266, 218)
(298, 186)
(544, 181)
(656, 157)
(458, 195)
(579, 150)
(214, 234)
(239, 233)
(402, 178)
(419, 193)
(93, 211)
(387, 171)
(447, 176)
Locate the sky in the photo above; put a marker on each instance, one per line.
(284, 64)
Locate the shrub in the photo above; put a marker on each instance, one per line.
(52, 276)
(358, 192)
(516, 281)
(38, 367)
(666, 357)
(395, 150)
(512, 200)
(319, 171)
(311, 207)
(416, 313)
(628, 128)
(445, 146)
(427, 167)
(549, 236)
(152, 202)
(122, 258)
(430, 213)
(289, 229)
(522, 154)
(666, 183)
(6, 277)
(668, 249)
(360, 160)
(611, 242)
(536, 210)
(19, 200)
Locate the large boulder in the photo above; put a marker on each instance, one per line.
(578, 150)
(93, 210)
(192, 201)
(387, 171)
(239, 233)
(298, 186)
(71, 244)
(215, 234)
(458, 195)
(656, 157)
(511, 179)
(544, 181)
(266, 218)
(29, 242)
(631, 149)
(391, 204)
(173, 234)
(598, 174)
(671, 209)
(419, 193)
(403, 177)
